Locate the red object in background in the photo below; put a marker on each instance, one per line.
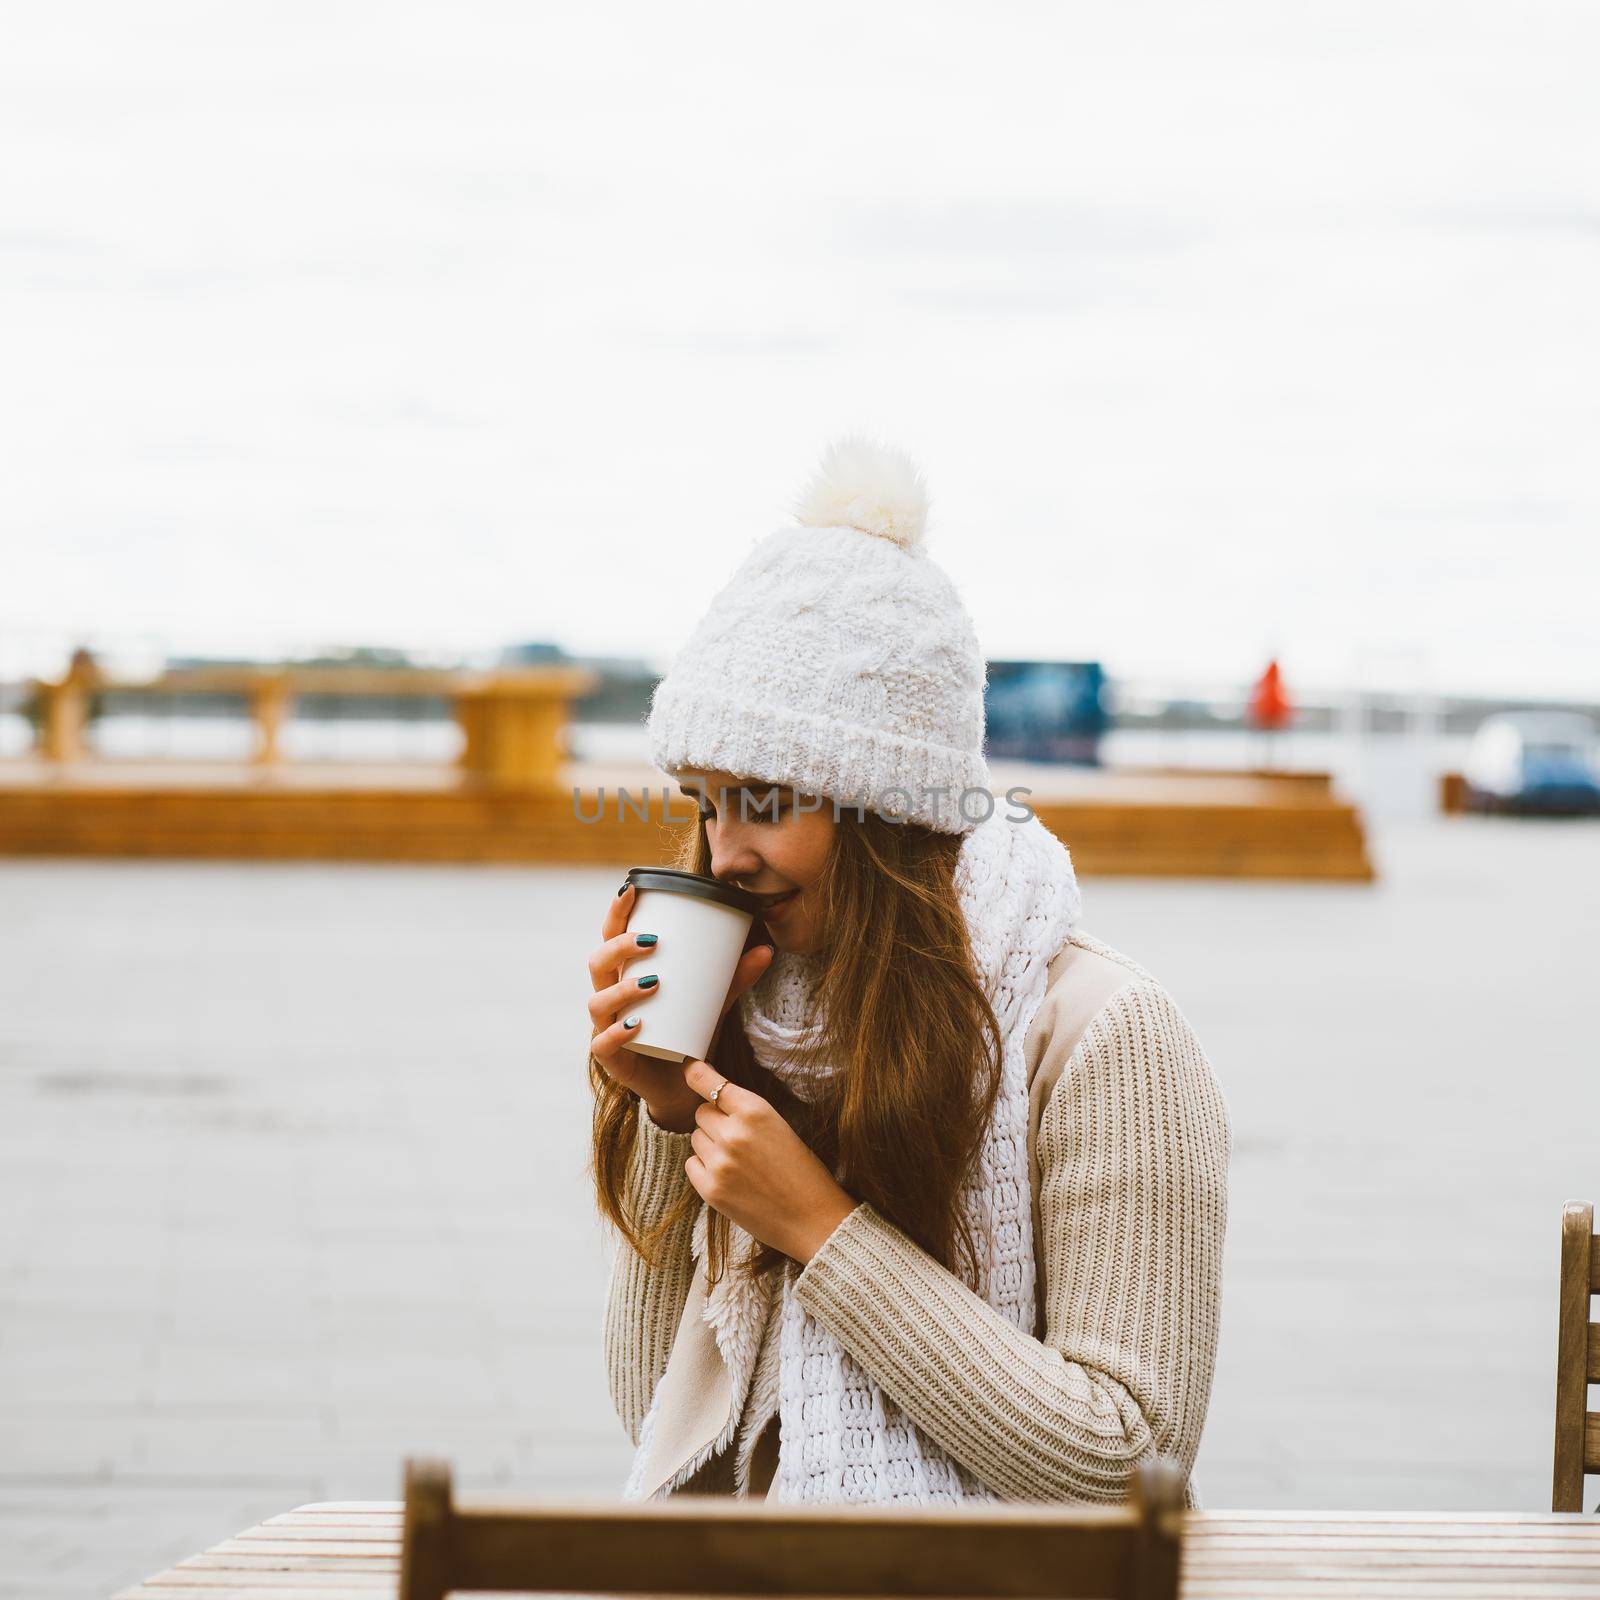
(1270, 705)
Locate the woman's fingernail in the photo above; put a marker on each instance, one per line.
(630, 1022)
(623, 890)
(645, 939)
(649, 981)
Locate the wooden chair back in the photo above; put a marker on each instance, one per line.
(714, 1545)
(1577, 1358)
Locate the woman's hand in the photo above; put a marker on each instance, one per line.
(750, 1165)
(616, 1001)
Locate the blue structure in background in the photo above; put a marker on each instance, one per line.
(1045, 711)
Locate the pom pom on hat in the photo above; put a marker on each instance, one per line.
(867, 486)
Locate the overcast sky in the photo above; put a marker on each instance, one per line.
(1216, 329)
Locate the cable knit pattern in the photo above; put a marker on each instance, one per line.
(1133, 1147)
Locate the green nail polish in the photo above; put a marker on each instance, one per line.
(645, 939)
(649, 981)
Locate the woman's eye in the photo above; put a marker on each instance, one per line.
(751, 808)
(766, 807)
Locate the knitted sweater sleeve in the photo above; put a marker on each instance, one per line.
(1134, 1145)
(644, 1304)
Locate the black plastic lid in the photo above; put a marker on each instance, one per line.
(695, 883)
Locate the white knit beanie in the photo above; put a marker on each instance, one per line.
(838, 660)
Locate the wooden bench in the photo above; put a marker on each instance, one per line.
(715, 1545)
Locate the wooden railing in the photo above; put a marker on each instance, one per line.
(512, 721)
(514, 795)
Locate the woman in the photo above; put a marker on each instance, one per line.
(941, 1215)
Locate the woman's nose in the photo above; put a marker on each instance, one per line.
(732, 859)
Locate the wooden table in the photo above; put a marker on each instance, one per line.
(350, 1550)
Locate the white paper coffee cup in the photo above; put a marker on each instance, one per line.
(701, 926)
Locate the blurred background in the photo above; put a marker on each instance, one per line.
(386, 391)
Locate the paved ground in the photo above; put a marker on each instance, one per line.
(292, 1172)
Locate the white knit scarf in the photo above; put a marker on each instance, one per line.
(840, 1437)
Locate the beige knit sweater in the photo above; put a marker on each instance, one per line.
(1132, 1148)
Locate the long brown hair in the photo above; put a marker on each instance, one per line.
(905, 1018)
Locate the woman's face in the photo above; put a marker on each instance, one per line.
(763, 838)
